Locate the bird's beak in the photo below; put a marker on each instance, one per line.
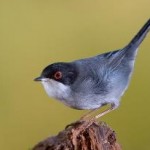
(38, 79)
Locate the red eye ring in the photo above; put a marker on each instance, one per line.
(58, 75)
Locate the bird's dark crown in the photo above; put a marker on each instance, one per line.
(65, 73)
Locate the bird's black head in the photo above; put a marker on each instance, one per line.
(65, 73)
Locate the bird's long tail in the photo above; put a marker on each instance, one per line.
(139, 37)
(130, 50)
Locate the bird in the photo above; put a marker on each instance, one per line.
(90, 83)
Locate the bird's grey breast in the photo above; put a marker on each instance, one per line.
(91, 85)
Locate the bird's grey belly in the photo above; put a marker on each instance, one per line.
(88, 102)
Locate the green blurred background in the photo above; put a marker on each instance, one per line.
(35, 33)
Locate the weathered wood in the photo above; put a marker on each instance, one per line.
(82, 135)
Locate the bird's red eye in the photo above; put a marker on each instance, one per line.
(58, 75)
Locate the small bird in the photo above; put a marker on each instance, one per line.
(93, 82)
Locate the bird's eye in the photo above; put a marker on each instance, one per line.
(58, 75)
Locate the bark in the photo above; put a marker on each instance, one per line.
(82, 135)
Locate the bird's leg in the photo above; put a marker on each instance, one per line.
(87, 115)
(106, 111)
(88, 121)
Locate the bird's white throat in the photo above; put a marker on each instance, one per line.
(56, 89)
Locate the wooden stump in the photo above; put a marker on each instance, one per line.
(82, 135)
